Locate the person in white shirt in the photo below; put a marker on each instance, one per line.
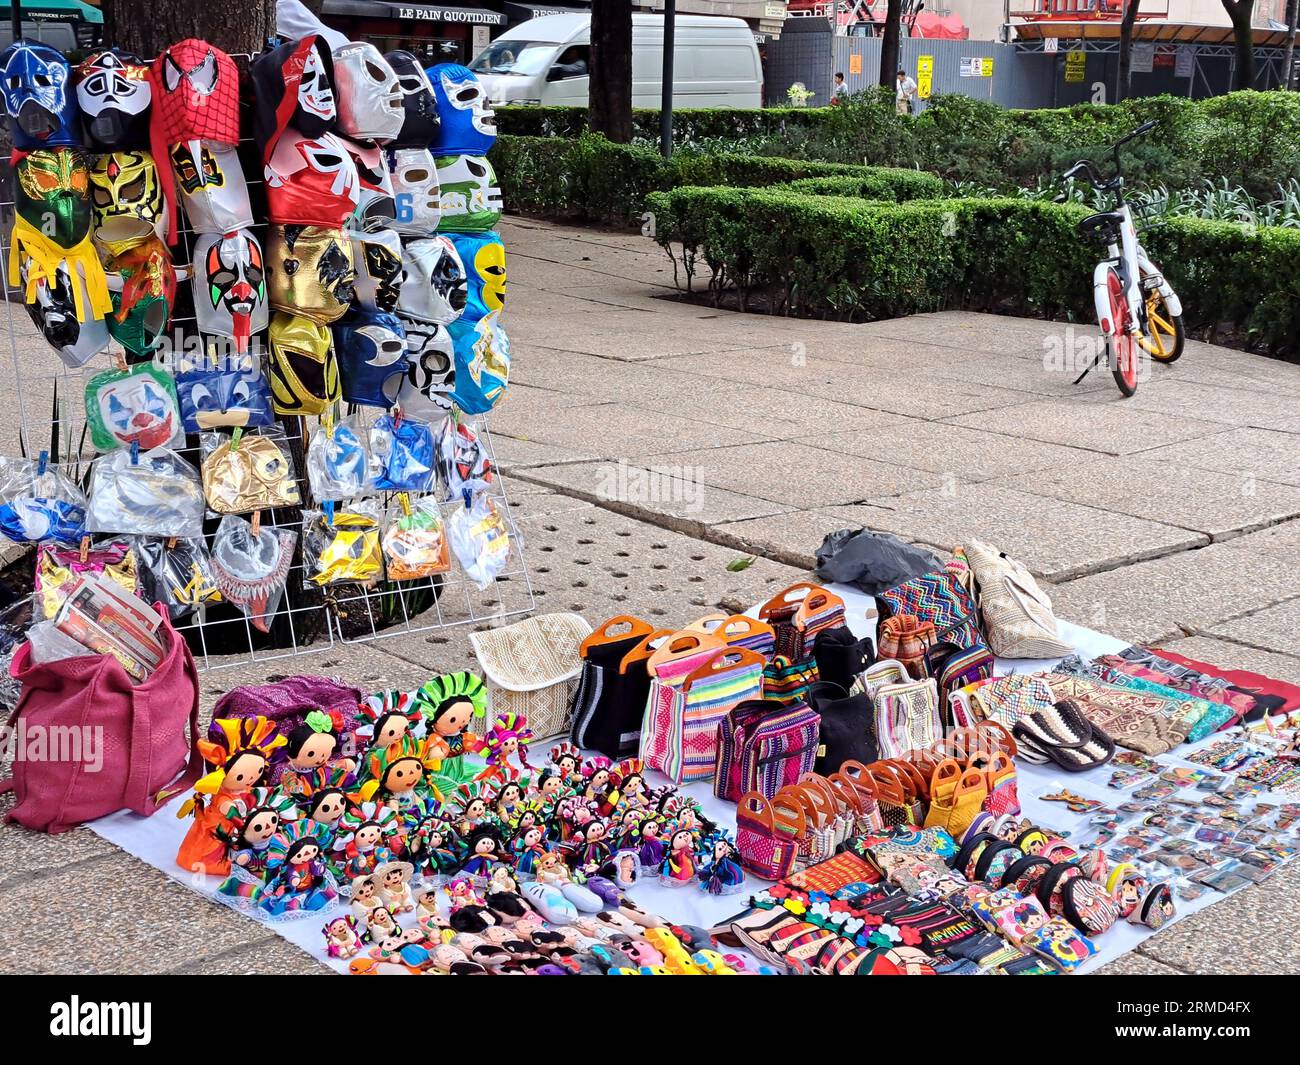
(839, 89)
(904, 93)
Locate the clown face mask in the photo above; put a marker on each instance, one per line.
(295, 89)
(419, 108)
(54, 311)
(466, 122)
(378, 259)
(54, 194)
(434, 287)
(230, 286)
(371, 348)
(126, 198)
(220, 393)
(142, 308)
(311, 272)
(311, 181)
(137, 406)
(482, 364)
(369, 94)
(114, 93)
(484, 257)
(212, 187)
(304, 373)
(38, 98)
(425, 395)
(471, 201)
(253, 472)
(415, 191)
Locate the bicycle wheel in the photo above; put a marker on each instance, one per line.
(1121, 351)
(1164, 336)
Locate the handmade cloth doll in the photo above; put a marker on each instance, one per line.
(230, 286)
(471, 800)
(304, 371)
(126, 199)
(310, 748)
(311, 271)
(425, 394)
(485, 848)
(395, 774)
(369, 94)
(482, 363)
(679, 863)
(311, 181)
(35, 80)
(195, 97)
(434, 286)
(297, 877)
(385, 717)
(377, 257)
(294, 88)
(369, 834)
(142, 308)
(484, 258)
(720, 871)
(212, 186)
(419, 107)
(223, 393)
(240, 751)
(371, 347)
(113, 92)
(508, 738)
(416, 195)
(253, 823)
(449, 702)
(652, 848)
(326, 800)
(467, 123)
(470, 199)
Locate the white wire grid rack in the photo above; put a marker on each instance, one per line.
(309, 620)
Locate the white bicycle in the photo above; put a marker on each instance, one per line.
(1137, 309)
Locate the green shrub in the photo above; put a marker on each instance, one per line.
(690, 124)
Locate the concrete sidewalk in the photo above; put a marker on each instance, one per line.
(649, 442)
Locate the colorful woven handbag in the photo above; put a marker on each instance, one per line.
(938, 598)
(798, 614)
(766, 835)
(763, 746)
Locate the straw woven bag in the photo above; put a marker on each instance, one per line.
(1018, 618)
(532, 669)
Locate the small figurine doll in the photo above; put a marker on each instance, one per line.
(551, 787)
(253, 823)
(679, 863)
(629, 780)
(598, 779)
(720, 871)
(298, 880)
(364, 897)
(593, 848)
(624, 869)
(566, 758)
(463, 892)
(507, 739)
(472, 800)
(449, 703)
(652, 847)
(509, 800)
(526, 846)
(395, 774)
(327, 801)
(310, 751)
(485, 848)
(394, 879)
(370, 835)
(241, 750)
(380, 923)
(342, 938)
(387, 716)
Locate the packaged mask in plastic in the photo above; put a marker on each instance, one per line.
(251, 568)
(401, 453)
(480, 539)
(245, 472)
(176, 573)
(38, 502)
(340, 546)
(415, 540)
(151, 493)
(136, 406)
(464, 465)
(58, 568)
(338, 461)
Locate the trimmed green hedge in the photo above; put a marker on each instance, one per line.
(591, 178)
(689, 123)
(863, 259)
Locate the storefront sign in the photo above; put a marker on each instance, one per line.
(1142, 58)
(855, 64)
(474, 16)
(924, 76)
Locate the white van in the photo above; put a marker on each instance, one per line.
(545, 61)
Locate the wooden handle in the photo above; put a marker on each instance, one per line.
(709, 623)
(848, 793)
(726, 658)
(786, 601)
(682, 645)
(632, 627)
(787, 814)
(755, 804)
(640, 654)
(737, 627)
(815, 601)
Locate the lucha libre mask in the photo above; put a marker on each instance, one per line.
(253, 473)
(434, 288)
(304, 373)
(126, 198)
(230, 285)
(223, 392)
(371, 348)
(53, 308)
(369, 94)
(378, 259)
(419, 108)
(195, 97)
(376, 207)
(466, 122)
(38, 97)
(295, 88)
(136, 406)
(113, 91)
(415, 191)
(54, 194)
(482, 363)
(212, 186)
(311, 182)
(471, 201)
(311, 271)
(425, 395)
(484, 257)
(142, 308)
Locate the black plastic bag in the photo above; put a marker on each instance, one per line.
(872, 562)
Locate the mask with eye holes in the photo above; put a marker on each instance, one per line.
(126, 198)
(54, 312)
(376, 207)
(369, 94)
(425, 395)
(378, 259)
(467, 125)
(294, 89)
(311, 271)
(114, 94)
(212, 187)
(311, 181)
(471, 201)
(35, 81)
(371, 348)
(419, 107)
(230, 286)
(415, 191)
(216, 393)
(434, 286)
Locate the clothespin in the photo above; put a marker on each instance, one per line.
(404, 501)
(85, 548)
(171, 543)
(119, 360)
(236, 437)
(42, 461)
(257, 517)
(328, 507)
(397, 417)
(135, 452)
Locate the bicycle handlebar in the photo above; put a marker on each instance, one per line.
(1089, 169)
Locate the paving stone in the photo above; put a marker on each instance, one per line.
(1275, 628)
(793, 537)
(1054, 538)
(1163, 597)
(1259, 453)
(23, 850)
(1137, 964)
(272, 956)
(1233, 655)
(513, 453)
(612, 430)
(780, 472)
(1218, 504)
(1112, 428)
(1030, 372)
(1231, 406)
(1282, 540)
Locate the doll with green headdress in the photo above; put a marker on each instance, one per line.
(449, 702)
(310, 753)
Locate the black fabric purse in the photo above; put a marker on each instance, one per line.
(609, 702)
(841, 657)
(848, 728)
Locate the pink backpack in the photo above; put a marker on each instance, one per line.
(142, 741)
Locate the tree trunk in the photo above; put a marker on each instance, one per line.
(1125, 87)
(1240, 12)
(146, 27)
(889, 47)
(610, 96)
(1292, 17)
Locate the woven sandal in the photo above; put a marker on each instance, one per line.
(1063, 735)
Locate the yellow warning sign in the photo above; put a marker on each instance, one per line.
(855, 64)
(1076, 64)
(924, 76)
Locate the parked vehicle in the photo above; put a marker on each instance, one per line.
(546, 61)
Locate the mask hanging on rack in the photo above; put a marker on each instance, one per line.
(434, 286)
(304, 372)
(114, 93)
(371, 348)
(212, 187)
(467, 123)
(35, 80)
(251, 569)
(311, 271)
(369, 94)
(230, 286)
(136, 407)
